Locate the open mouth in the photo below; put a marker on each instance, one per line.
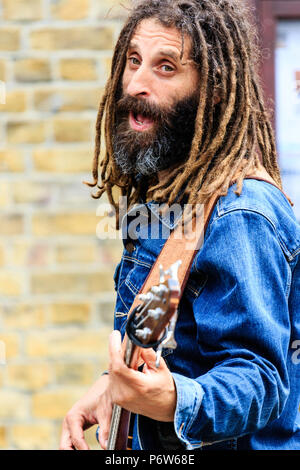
(139, 122)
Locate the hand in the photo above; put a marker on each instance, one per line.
(94, 407)
(151, 393)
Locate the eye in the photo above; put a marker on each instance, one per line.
(134, 61)
(167, 68)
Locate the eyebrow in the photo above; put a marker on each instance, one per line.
(161, 52)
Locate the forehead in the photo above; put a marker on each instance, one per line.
(151, 32)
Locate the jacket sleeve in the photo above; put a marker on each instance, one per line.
(243, 326)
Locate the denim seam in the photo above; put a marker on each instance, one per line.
(119, 293)
(296, 252)
(289, 282)
(131, 286)
(280, 241)
(137, 261)
(120, 314)
(164, 219)
(194, 415)
(194, 291)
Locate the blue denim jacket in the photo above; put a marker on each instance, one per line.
(237, 363)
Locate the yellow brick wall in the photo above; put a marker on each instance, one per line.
(56, 289)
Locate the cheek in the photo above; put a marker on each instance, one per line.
(125, 80)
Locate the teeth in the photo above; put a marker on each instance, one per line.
(139, 122)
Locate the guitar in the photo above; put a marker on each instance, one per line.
(150, 325)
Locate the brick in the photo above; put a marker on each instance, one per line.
(105, 313)
(11, 224)
(74, 373)
(75, 253)
(32, 70)
(109, 252)
(13, 405)
(70, 9)
(68, 283)
(11, 283)
(54, 404)
(28, 377)
(32, 436)
(11, 343)
(70, 313)
(22, 10)
(26, 132)
(16, 102)
(62, 160)
(72, 130)
(68, 100)
(78, 69)
(83, 223)
(31, 253)
(70, 342)
(11, 160)
(105, 67)
(32, 192)
(3, 438)
(23, 316)
(9, 38)
(81, 37)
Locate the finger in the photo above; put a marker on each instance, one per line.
(103, 438)
(77, 435)
(115, 342)
(149, 357)
(104, 427)
(115, 351)
(65, 440)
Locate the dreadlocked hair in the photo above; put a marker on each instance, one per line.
(231, 138)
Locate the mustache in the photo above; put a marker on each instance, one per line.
(142, 106)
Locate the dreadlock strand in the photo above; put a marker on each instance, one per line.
(196, 143)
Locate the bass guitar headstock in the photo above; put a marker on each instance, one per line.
(152, 323)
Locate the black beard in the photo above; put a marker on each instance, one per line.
(167, 144)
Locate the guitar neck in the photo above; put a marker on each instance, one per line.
(120, 420)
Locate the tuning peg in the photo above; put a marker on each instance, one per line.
(143, 333)
(159, 289)
(156, 313)
(145, 297)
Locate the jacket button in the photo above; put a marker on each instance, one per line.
(130, 247)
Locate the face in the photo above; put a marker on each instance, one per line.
(157, 110)
(155, 71)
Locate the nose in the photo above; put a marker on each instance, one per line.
(139, 85)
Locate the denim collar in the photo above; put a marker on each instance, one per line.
(169, 220)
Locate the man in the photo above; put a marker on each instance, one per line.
(184, 120)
